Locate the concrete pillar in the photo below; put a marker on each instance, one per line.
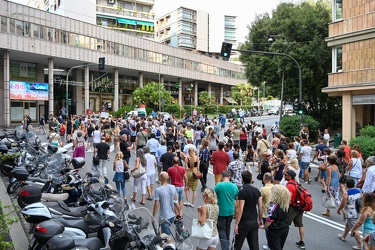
(209, 89)
(6, 103)
(87, 88)
(116, 100)
(195, 93)
(77, 95)
(348, 120)
(162, 79)
(221, 94)
(180, 91)
(141, 79)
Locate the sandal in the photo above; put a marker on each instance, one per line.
(326, 214)
(149, 198)
(142, 203)
(341, 238)
(133, 200)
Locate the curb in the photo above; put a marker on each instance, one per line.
(16, 231)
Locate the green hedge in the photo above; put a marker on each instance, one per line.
(175, 109)
(291, 126)
(368, 131)
(366, 141)
(190, 108)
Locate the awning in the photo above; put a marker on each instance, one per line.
(230, 100)
(126, 21)
(108, 17)
(145, 23)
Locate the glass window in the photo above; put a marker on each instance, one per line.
(57, 35)
(3, 24)
(12, 24)
(338, 59)
(27, 29)
(19, 27)
(64, 37)
(36, 29)
(50, 32)
(116, 48)
(43, 32)
(337, 9)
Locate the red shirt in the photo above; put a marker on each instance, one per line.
(347, 153)
(220, 161)
(177, 175)
(292, 189)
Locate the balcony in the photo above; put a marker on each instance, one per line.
(351, 77)
(124, 12)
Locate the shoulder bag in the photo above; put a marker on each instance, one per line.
(140, 171)
(202, 232)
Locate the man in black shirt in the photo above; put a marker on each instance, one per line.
(248, 218)
(166, 159)
(102, 152)
(125, 148)
(204, 157)
(125, 131)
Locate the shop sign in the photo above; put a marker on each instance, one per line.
(104, 90)
(28, 91)
(19, 70)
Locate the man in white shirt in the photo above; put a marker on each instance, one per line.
(305, 159)
(369, 184)
(190, 145)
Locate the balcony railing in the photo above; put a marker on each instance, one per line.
(125, 12)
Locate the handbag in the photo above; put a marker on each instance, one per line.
(328, 201)
(126, 175)
(197, 174)
(259, 176)
(95, 160)
(140, 171)
(202, 232)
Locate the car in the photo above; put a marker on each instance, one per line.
(165, 115)
(273, 111)
(288, 110)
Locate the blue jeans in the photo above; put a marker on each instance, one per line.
(166, 225)
(304, 166)
(120, 186)
(223, 227)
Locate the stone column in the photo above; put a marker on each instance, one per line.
(180, 91)
(348, 120)
(221, 94)
(141, 79)
(6, 103)
(209, 89)
(162, 79)
(116, 100)
(87, 88)
(50, 88)
(195, 93)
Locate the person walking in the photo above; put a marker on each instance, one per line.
(262, 147)
(304, 158)
(96, 137)
(369, 184)
(166, 198)
(333, 185)
(265, 192)
(153, 144)
(295, 215)
(192, 166)
(279, 161)
(125, 148)
(354, 167)
(102, 152)
(180, 181)
(226, 196)
(79, 146)
(141, 139)
(119, 166)
(116, 139)
(277, 217)
(209, 211)
(162, 149)
(42, 124)
(347, 206)
(235, 169)
(219, 160)
(204, 158)
(248, 214)
(150, 172)
(140, 161)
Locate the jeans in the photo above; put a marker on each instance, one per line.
(198, 143)
(266, 230)
(166, 225)
(203, 168)
(223, 227)
(247, 230)
(277, 238)
(120, 186)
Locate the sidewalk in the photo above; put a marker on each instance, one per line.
(16, 230)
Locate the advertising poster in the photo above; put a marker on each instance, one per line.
(28, 91)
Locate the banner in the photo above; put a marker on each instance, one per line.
(28, 91)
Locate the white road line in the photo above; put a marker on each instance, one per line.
(330, 223)
(320, 218)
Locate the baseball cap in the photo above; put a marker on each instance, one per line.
(291, 173)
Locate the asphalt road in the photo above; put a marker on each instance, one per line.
(320, 232)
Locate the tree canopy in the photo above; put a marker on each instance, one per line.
(298, 30)
(150, 93)
(242, 93)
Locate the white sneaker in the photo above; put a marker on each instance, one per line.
(192, 205)
(187, 203)
(265, 247)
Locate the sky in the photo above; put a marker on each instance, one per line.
(245, 10)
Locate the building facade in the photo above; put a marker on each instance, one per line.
(40, 48)
(352, 39)
(196, 30)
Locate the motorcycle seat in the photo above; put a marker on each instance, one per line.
(64, 209)
(75, 223)
(91, 243)
(36, 179)
(55, 197)
(53, 149)
(78, 162)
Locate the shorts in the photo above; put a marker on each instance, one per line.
(223, 125)
(89, 139)
(295, 216)
(132, 138)
(304, 165)
(150, 179)
(94, 144)
(351, 222)
(208, 243)
(180, 192)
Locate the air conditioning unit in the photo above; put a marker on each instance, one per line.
(111, 1)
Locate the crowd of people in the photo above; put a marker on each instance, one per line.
(177, 155)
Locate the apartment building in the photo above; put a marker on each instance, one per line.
(352, 39)
(196, 30)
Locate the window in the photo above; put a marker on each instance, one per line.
(19, 27)
(337, 57)
(3, 24)
(35, 30)
(337, 10)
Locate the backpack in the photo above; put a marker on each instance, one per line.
(303, 200)
(158, 133)
(62, 130)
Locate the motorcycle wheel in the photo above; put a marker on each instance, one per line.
(20, 202)
(6, 171)
(13, 187)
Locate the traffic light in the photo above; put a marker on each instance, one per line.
(300, 108)
(101, 63)
(226, 48)
(295, 107)
(177, 85)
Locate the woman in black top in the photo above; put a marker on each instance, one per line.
(277, 217)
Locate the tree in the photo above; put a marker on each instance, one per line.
(242, 93)
(299, 30)
(207, 101)
(150, 93)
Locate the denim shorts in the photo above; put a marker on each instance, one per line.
(180, 192)
(304, 165)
